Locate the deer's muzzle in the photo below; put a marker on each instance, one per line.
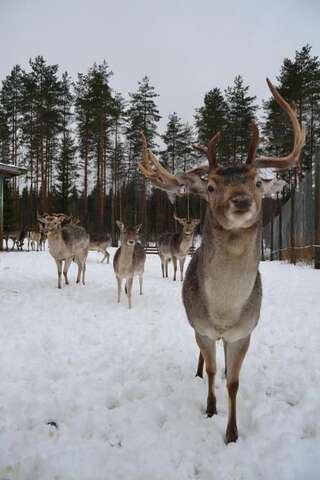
(241, 202)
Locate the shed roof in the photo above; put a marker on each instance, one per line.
(9, 170)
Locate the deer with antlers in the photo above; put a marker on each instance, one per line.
(176, 246)
(222, 287)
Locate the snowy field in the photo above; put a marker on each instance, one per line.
(120, 384)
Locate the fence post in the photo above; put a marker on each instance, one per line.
(292, 226)
(271, 235)
(280, 229)
(1, 212)
(317, 211)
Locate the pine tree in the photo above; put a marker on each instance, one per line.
(142, 114)
(84, 136)
(211, 118)
(299, 82)
(118, 162)
(41, 104)
(11, 110)
(173, 139)
(241, 112)
(65, 165)
(4, 138)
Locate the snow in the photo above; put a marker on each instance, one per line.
(120, 384)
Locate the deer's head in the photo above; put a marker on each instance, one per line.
(129, 235)
(50, 223)
(233, 194)
(188, 225)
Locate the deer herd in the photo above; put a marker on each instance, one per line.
(221, 289)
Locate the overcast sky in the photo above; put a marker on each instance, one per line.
(185, 47)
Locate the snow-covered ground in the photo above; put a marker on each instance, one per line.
(120, 384)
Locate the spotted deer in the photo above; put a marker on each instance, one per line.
(129, 259)
(67, 242)
(176, 246)
(222, 287)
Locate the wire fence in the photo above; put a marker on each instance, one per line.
(291, 234)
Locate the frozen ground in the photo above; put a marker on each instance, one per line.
(120, 384)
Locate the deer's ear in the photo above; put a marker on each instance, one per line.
(138, 227)
(272, 186)
(41, 219)
(120, 225)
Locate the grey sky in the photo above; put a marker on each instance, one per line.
(185, 47)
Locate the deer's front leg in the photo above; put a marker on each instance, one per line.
(235, 353)
(174, 261)
(67, 264)
(208, 350)
(59, 268)
(119, 281)
(181, 262)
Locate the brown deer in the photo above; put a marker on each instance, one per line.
(100, 243)
(66, 243)
(222, 287)
(176, 246)
(34, 240)
(129, 259)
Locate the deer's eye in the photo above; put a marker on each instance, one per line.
(259, 184)
(210, 188)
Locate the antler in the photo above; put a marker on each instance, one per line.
(172, 184)
(210, 150)
(280, 163)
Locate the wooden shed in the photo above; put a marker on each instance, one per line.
(6, 170)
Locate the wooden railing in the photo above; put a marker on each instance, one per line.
(153, 250)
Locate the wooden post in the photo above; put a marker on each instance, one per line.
(1, 212)
(317, 211)
(280, 232)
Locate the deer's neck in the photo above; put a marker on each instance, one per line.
(229, 263)
(126, 257)
(184, 243)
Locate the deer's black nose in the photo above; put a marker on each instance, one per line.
(242, 202)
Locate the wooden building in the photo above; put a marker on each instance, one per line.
(6, 170)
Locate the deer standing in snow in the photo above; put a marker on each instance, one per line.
(100, 244)
(222, 287)
(176, 246)
(129, 259)
(66, 243)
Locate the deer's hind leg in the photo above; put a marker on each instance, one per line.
(200, 366)
(140, 282)
(162, 265)
(84, 268)
(106, 256)
(235, 353)
(129, 288)
(208, 350)
(79, 263)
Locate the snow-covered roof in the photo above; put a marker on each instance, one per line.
(9, 170)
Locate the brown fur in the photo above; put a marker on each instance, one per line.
(129, 260)
(175, 246)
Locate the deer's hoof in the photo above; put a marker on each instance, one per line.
(231, 434)
(211, 408)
